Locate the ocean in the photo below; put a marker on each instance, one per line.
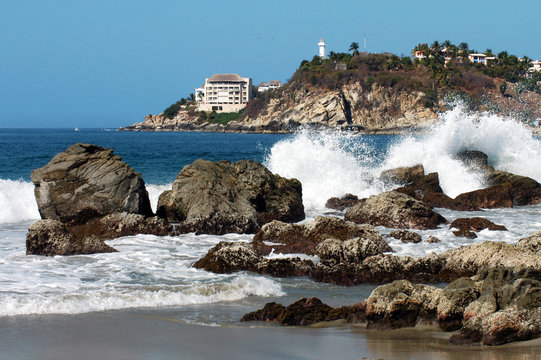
(156, 273)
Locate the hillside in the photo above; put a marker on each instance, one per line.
(376, 93)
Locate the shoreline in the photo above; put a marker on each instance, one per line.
(157, 334)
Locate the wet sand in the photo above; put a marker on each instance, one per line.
(149, 334)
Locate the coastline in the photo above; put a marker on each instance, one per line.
(158, 334)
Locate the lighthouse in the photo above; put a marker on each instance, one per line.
(321, 45)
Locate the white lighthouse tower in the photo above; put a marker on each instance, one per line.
(321, 45)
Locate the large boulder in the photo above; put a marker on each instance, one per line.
(401, 304)
(342, 203)
(396, 210)
(413, 180)
(525, 191)
(530, 243)
(303, 238)
(227, 257)
(496, 196)
(224, 197)
(52, 237)
(466, 227)
(87, 181)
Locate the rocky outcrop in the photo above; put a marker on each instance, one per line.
(530, 243)
(228, 257)
(87, 181)
(406, 236)
(524, 190)
(412, 180)
(52, 237)
(396, 210)
(303, 238)
(223, 197)
(87, 194)
(494, 307)
(466, 227)
(342, 203)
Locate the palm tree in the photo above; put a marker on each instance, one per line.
(355, 48)
(464, 49)
(447, 44)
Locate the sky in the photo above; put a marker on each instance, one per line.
(108, 63)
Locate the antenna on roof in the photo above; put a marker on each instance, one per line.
(365, 38)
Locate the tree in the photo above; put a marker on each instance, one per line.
(355, 48)
(503, 88)
(464, 49)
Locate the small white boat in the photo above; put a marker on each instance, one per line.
(76, 129)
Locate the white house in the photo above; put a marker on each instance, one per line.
(224, 93)
(536, 66)
(322, 45)
(273, 84)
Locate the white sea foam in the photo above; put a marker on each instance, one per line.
(154, 192)
(17, 202)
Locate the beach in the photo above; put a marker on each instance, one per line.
(159, 334)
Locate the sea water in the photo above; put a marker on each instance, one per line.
(156, 271)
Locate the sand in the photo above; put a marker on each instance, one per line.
(157, 334)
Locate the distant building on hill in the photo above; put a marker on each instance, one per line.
(536, 66)
(322, 45)
(224, 93)
(480, 58)
(273, 84)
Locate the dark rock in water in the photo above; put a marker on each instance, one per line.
(342, 203)
(440, 200)
(305, 312)
(303, 238)
(456, 296)
(87, 181)
(401, 304)
(525, 191)
(270, 312)
(467, 226)
(474, 159)
(353, 250)
(496, 196)
(433, 239)
(406, 236)
(394, 209)
(223, 197)
(413, 180)
(227, 257)
(51, 237)
(284, 267)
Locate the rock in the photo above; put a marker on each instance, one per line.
(468, 260)
(496, 196)
(303, 238)
(85, 182)
(474, 159)
(224, 197)
(406, 236)
(284, 267)
(269, 312)
(229, 257)
(507, 309)
(530, 243)
(353, 250)
(439, 200)
(413, 180)
(52, 237)
(380, 269)
(401, 304)
(342, 203)
(433, 239)
(525, 191)
(456, 296)
(467, 226)
(394, 209)
(304, 312)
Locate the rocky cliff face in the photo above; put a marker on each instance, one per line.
(352, 107)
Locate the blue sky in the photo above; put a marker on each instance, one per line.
(109, 63)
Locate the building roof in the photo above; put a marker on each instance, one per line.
(263, 84)
(274, 82)
(225, 77)
(479, 55)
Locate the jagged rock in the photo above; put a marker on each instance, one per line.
(440, 200)
(342, 203)
(87, 181)
(433, 239)
(456, 296)
(51, 237)
(507, 309)
(380, 269)
(224, 197)
(270, 312)
(530, 243)
(401, 304)
(467, 226)
(284, 267)
(394, 209)
(353, 250)
(496, 196)
(227, 257)
(303, 238)
(413, 180)
(475, 160)
(304, 312)
(468, 260)
(406, 236)
(525, 191)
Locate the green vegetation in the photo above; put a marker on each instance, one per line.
(173, 109)
(221, 118)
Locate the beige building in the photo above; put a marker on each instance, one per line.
(536, 66)
(224, 93)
